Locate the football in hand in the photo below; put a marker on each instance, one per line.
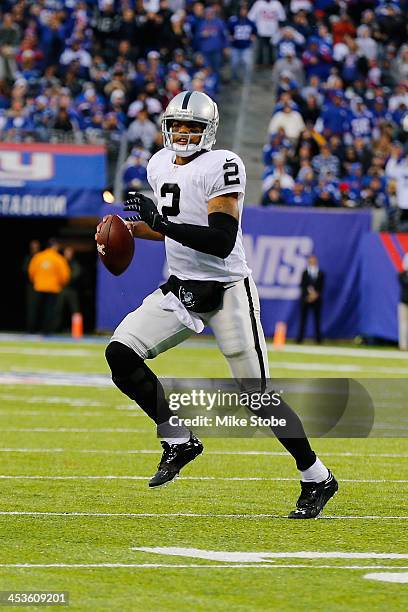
(115, 245)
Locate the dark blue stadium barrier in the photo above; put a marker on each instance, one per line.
(381, 260)
(277, 242)
(45, 180)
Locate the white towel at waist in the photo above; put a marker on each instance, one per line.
(191, 320)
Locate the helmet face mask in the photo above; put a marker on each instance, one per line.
(189, 107)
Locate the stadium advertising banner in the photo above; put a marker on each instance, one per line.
(51, 180)
(278, 243)
(380, 264)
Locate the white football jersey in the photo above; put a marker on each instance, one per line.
(183, 193)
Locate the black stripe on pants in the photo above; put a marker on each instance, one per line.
(255, 331)
(297, 445)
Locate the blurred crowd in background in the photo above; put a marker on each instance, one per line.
(339, 128)
(92, 69)
(97, 66)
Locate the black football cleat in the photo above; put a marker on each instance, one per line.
(313, 498)
(175, 457)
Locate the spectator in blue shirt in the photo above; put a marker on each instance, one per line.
(317, 59)
(211, 39)
(193, 21)
(379, 109)
(17, 118)
(52, 38)
(211, 81)
(278, 142)
(355, 66)
(399, 113)
(299, 196)
(361, 121)
(307, 178)
(326, 196)
(326, 163)
(243, 34)
(375, 194)
(289, 42)
(335, 116)
(135, 174)
(42, 116)
(354, 180)
(275, 195)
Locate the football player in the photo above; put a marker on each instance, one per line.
(200, 195)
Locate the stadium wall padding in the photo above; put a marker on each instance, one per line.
(277, 243)
(51, 180)
(381, 260)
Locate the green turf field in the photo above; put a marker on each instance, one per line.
(76, 514)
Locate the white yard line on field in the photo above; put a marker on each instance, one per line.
(189, 515)
(65, 340)
(205, 566)
(47, 352)
(70, 402)
(104, 451)
(61, 414)
(77, 379)
(199, 478)
(53, 399)
(72, 430)
(398, 577)
(54, 378)
(46, 412)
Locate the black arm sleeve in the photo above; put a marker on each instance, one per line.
(217, 239)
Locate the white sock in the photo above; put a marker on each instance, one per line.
(176, 440)
(174, 433)
(316, 473)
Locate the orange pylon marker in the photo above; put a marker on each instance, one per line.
(279, 338)
(77, 325)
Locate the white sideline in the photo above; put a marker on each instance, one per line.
(97, 344)
(104, 451)
(187, 515)
(316, 366)
(199, 478)
(194, 566)
(340, 351)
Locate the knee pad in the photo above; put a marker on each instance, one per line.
(129, 372)
(122, 360)
(132, 376)
(237, 352)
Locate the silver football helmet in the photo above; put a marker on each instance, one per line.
(190, 106)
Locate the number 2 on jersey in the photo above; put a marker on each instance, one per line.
(231, 177)
(174, 209)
